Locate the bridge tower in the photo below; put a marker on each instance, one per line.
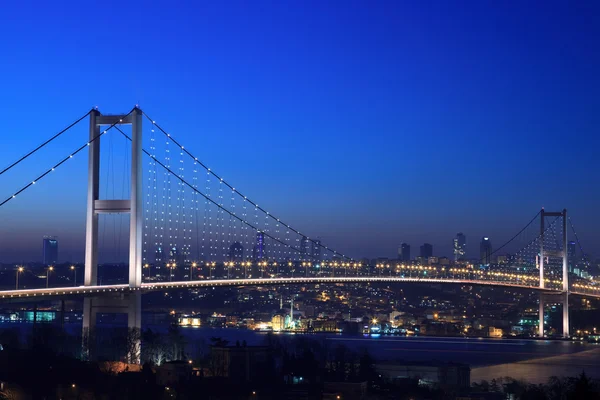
(565, 271)
(96, 206)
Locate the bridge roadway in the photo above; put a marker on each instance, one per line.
(161, 286)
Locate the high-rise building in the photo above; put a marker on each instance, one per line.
(460, 247)
(316, 250)
(572, 256)
(404, 252)
(159, 256)
(305, 248)
(176, 256)
(236, 252)
(426, 250)
(485, 251)
(259, 247)
(50, 250)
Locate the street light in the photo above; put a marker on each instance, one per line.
(194, 265)
(169, 269)
(50, 269)
(74, 275)
(19, 270)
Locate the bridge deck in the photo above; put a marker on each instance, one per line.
(156, 286)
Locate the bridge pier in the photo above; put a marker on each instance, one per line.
(129, 304)
(541, 316)
(566, 321)
(560, 298)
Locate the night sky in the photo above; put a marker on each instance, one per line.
(366, 123)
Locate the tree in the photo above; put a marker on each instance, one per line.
(366, 370)
(583, 388)
(134, 345)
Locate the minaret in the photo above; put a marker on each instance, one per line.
(291, 310)
(281, 303)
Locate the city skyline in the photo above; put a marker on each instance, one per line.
(483, 173)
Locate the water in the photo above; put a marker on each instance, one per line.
(475, 352)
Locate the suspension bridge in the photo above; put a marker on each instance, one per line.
(191, 228)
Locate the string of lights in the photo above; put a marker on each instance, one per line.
(232, 188)
(169, 205)
(539, 237)
(196, 209)
(245, 228)
(154, 213)
(161, 254)
(211, 201)
(511, 239)
(209, 227)
(584, 255)
(232, 256)
(221, 219)
(182, 211)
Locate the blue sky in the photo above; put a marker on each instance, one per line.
(368, 123)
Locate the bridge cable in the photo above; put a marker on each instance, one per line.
(205, 196)
(240, 194)
(578, 242)
(513, 238)
(61, 162)
(44, 144)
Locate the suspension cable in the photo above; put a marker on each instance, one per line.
(578, 242)
(514, 237)
(14, 164)
(240, 194)
(540, 235)
(61, 162)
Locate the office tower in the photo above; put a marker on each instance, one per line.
(236, 252)
(426, 250)
(176, 256)
(572, 256)
(305, 249)
(485, 251)
(404, 252)
(460, 247)
(259, 247)
(159, 256)
(316, 251)
(50, 250)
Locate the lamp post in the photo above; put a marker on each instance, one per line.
(19, 270)
(74, 275)
(169, 269)
(194, 265)
(50, 269)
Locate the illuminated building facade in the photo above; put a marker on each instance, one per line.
(460, 247)
(50, 250)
